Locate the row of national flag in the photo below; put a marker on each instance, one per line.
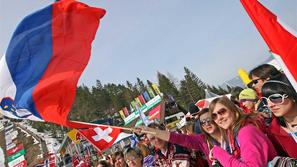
(50, 49)
(15, 152)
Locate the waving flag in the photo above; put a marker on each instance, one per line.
(104, 137)
(44, 60)
(281, 39)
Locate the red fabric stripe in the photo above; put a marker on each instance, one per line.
(278, 39)
(74, 26)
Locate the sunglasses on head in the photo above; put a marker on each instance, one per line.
(253, 82)
(206, 121)
(275, 98)
(221, 112)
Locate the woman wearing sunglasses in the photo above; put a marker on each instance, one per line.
(248, 145)
(281, 98)
(211, 135)
(261, 74)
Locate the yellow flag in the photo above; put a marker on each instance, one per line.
(156, 89)
(243, 76)
(122, 114)
(74, 136)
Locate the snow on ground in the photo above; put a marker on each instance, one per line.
(51, 143)
(35, 141)
(40, 156)
(27, 134)
(2, 159)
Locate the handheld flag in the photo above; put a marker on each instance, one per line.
(75, 136)
(281, 39)
(44, 60)
(103, 137)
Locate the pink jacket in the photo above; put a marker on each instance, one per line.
(256, 150)
(197, 142)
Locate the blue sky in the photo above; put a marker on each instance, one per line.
(137, 38)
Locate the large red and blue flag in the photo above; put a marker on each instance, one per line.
(45, 59)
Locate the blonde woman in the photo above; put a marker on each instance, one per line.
(248, 144)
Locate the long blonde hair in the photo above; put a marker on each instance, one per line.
(240, 118)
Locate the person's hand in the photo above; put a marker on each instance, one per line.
(210, 156)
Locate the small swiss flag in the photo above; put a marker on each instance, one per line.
(103, 137)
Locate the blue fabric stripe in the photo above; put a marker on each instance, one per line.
(28, 55)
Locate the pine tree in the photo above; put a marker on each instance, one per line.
(133, 89)
(140, 85)
(166, 86)
(101, 98)
(149, 83)
(192, 88)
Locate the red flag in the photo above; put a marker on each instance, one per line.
(75, 160)
(14, 149)
(21, 164)
(50, 161)
(103, 137)
(281, 40)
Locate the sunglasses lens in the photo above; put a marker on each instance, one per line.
(214, 116)
(222, 111)
(264, 100)
(276, 99)
(250, 85)
(204, 122)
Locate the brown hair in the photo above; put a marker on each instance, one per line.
(240, 118)
(116, 154)
(144, 149)
(209, 138)
(133, 152)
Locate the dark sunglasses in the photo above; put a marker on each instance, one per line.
(275, 99)
(221, 112)
(206, 121)
(188, 119)
(253, 82)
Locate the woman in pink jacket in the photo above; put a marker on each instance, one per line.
(211, 136)
(248, 145)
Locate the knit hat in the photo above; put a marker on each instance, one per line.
(248, 94)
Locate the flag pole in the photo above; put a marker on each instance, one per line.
(119, 127)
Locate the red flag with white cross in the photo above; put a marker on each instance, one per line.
(103, 137)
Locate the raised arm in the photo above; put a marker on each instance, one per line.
(189, 141)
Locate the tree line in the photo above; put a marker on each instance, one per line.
(103, 101)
